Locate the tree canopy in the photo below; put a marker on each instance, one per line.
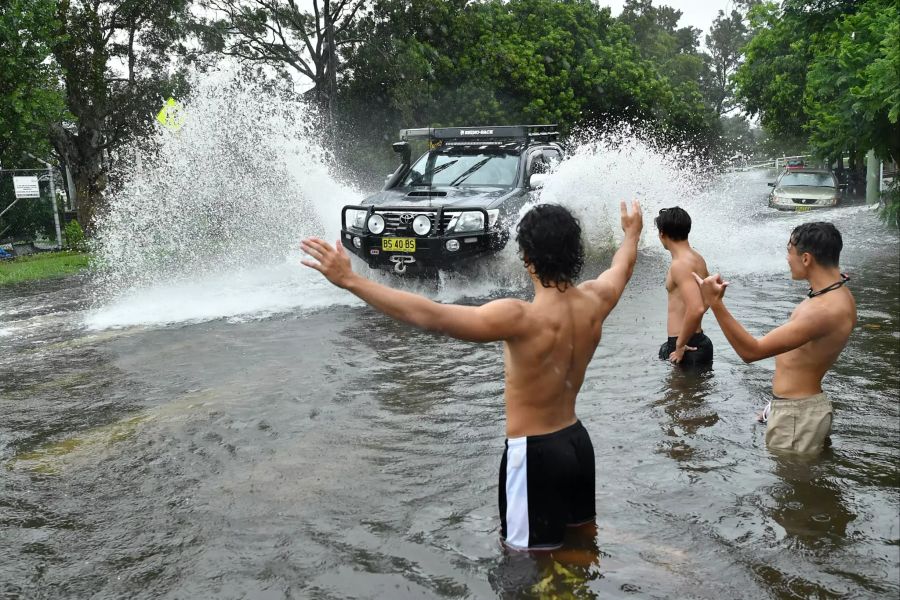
(116, 60)
(30, 94)
(826, 70)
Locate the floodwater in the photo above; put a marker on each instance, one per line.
(274, 438)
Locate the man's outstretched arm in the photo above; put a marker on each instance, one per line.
(785, 338)
(611, 283)
(494, 321)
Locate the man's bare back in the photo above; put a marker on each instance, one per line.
(545, 367)
(680, 271)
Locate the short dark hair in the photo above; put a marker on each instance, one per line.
(674, 222)
(821, 239)
(549, 239)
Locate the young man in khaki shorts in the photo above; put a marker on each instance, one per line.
(799, 416)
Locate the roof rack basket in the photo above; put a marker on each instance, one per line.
(485, 134)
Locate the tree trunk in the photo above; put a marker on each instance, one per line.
(80, 150)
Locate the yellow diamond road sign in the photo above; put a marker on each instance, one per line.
(172, 115)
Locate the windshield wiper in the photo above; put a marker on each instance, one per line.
(438, 169)
(469, 171)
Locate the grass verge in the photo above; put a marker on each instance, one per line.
(45, 265)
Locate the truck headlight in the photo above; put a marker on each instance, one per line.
(421, 225)
(376, 224)
(469, 221)
(355, 219)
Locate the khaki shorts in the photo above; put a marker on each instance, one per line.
(799, 425)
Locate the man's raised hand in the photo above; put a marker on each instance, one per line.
(632, 223)
(712, 288)
(333, 263)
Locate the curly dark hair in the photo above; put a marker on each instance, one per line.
(550, 241)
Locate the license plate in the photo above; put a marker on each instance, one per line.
(398, 244)
(802, 208)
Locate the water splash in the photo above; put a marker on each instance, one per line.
(731, 223)
(205, 223)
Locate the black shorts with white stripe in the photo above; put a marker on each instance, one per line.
(546, 484)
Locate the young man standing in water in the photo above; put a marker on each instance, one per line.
(547, 468)
(799, 416)
(686, 344)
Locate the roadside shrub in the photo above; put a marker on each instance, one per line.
(889, 208)
(74, 236)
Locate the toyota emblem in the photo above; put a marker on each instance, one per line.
(406, 218)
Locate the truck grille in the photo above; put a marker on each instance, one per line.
(400, 224)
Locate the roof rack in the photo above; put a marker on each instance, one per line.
(491, 134)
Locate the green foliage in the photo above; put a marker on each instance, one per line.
(657, 37)
(74, 236)
(30, 97)
(535, 61)
(826, 70)
(853, 86)
(771, 81)
(303, 37)
(117, 61)
(725, 43)
(45, 265)
(889, 208)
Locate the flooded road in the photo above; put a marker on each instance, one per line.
(311, 448)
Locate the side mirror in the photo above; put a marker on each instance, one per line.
(537, 180)
(771, 184)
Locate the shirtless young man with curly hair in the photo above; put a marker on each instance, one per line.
(547, 468)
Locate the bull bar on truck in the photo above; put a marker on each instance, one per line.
(433, 249)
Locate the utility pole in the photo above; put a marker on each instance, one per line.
(52, 197)
(873, 182)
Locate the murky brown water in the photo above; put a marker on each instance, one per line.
(331, 453)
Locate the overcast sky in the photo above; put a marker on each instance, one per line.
(696, 13)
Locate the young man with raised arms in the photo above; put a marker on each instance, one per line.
(547, 467)
(799, 416)
(686, 344)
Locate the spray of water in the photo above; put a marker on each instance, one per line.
(206, 221)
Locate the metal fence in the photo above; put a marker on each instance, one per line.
(17, 197)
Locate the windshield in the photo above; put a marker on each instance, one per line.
(440, 169)
(807, 179)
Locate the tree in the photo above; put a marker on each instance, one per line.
(826, 70)
(116, 58)
(281, 34)
(519, 61)
(725, 43)
(853, 86)
(30, 96)
(659, 39)
(30, 100)
(771, 81)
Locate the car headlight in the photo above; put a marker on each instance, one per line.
(421, 225)
(356, 219)
(469, 220)
(376, 224)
